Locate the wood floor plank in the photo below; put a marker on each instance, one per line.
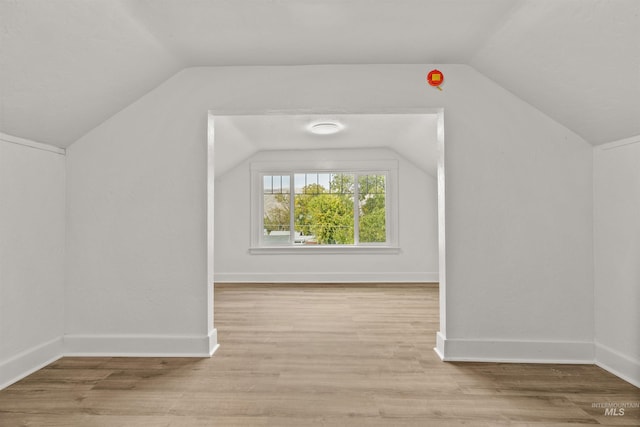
(317, 355)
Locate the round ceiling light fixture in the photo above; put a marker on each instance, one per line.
(327, 127)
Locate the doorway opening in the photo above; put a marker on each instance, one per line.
(281, 141)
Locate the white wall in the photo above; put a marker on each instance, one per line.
(418, 229)
(617, 257)
(137, 238)
(32, 239)
(518, 210)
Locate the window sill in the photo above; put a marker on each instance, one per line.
(278, 250)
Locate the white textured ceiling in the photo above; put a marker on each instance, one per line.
(411, 135)
(577, 61)
(292, 32)
(67, 65)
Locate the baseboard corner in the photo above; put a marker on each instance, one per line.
(29, 361)
(618, 364)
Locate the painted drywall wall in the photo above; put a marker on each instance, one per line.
(518, 209)
(617, 255)
(136, 269)
(417, 260)
(32, 240)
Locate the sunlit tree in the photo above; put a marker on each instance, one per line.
(276, 214)
(328, 213)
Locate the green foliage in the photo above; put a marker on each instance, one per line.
(371, 184)
(276, 212)
(313, 189)
(327, 213)
(304, 217)
(341, 183)
(332, 218)
(372, 208)
(373, 219)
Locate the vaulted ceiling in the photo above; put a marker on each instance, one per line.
(68, 65)
(414, 136)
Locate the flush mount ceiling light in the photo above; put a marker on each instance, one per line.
(327, 127)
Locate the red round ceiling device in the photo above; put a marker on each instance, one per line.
(435, 78)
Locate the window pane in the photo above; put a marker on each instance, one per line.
(323, 181)
(372, 220)
(277, 184)
(300, 180)
(341, 183)
(311, 186)
(267, 186)
(324, 219)
(303, 219)
(323, 212)
(324, 208)
(276, 222)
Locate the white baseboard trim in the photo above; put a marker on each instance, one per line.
(363, 277)
(141, 345)
(213, 341)
(29, 361)
(456, 350)
(618, 364)
(439, 348)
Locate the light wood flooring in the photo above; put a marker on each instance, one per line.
(316, 355)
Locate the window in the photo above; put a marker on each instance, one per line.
(323, 208)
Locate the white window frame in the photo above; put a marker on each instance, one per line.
(387, 167)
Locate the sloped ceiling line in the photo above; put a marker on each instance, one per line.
(75, 63)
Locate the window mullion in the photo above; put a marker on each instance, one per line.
(292, 231)
(356, 210)
(387, 211)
